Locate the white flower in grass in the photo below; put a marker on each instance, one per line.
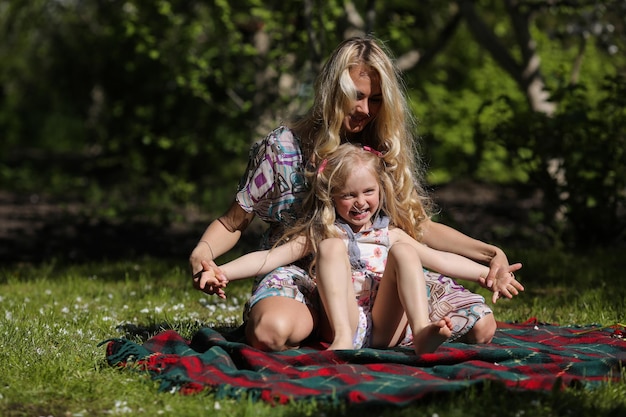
(217, 406)
(121, 407)
(144, 311)
(65, 310)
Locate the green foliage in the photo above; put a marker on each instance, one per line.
(576, 157)
(140, 106)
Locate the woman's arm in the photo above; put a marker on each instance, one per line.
(457, 266)
(219, 237)
(445, 238)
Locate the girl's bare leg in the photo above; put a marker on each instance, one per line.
(334, 283)
(402, 298)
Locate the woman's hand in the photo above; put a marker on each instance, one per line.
(502, 281)
(498, 267)
(206, 275)
(210, 279)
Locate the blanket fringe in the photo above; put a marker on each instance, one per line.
(619, 330)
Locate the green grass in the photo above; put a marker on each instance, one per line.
(53, 316)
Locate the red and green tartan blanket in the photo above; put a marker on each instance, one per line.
(521, 357)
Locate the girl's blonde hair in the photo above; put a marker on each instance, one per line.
(327, 180)
(391, 132)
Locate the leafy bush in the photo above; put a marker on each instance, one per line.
(576, 157)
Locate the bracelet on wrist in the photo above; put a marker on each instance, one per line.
(210, 249)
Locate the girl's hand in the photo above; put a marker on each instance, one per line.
(210, 279)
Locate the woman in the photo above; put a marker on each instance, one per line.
(358, 98)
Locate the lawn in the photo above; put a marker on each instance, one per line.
(53, 317)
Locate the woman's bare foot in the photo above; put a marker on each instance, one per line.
(430, 337)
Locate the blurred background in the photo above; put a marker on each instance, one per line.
(125, 125)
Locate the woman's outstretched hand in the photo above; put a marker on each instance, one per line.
(501, 280)
(506, 284)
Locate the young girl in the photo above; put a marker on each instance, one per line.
(347, 206)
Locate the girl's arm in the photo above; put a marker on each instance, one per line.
(262, 262)
(457, 266)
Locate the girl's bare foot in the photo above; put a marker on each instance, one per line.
(430, 337)
(342, 342)
(336, 345)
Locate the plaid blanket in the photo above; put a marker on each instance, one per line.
(521, 357)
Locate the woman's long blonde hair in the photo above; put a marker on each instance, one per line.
(392, 132)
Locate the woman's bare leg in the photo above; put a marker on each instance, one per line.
(279, 323)
(334, 284)
(402, 297)
(482, 332)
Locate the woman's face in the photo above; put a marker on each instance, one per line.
(369, 99)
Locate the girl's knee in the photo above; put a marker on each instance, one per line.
(331, 247)
(402, 251)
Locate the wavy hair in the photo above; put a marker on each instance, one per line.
(391, 132)
(327, 180)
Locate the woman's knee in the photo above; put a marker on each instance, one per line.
(483, 331)
(267, 332)
(278, 323)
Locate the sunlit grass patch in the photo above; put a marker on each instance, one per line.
(53, 318)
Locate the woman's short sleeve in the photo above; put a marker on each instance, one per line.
(273, 185)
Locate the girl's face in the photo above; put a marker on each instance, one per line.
(368, 101)
(358, 200)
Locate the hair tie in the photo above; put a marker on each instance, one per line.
(320, 168)
(374, 151)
